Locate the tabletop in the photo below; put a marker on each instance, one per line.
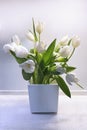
(15, 114)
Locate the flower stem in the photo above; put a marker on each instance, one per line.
(71, 54)
(79, 85)
(39, 38)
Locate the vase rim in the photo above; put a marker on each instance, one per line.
(42, 84)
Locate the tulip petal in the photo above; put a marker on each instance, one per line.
(21, 51)
(64, 51)
(16, 39)
(8, 47)
(28, 66)
(75, 41)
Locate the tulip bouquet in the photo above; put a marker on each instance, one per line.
(45, 64)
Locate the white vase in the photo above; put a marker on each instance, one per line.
(43, 98)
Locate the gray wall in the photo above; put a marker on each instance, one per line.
(60, 17)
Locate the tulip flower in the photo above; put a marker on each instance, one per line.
(16, 47)
(75, 41)
(60, 69)
(28, 66)
(39, 28)
(30, 36)
(64, 51)
(71, 78)
(64, 41)
(21, 51)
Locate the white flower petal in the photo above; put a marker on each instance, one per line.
(68, 81)
(39, 27)
(21, 51)
(40, 47)
(75, 41)
(14, 45)
(61, 70)
(28, 66)
(31, 70)
(30, 36)
(31, 62)
(71, 78)
(65, 51)
(8, 47)
(64, 41)
(16, 39)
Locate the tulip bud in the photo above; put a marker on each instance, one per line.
(71, 78)
(60, 69)
(40, 47)
(64, 41)
(65, 51)
(16, 39)
(30, 36)
(39, 27)
(75, 41)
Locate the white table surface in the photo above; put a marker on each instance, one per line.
(15, 114)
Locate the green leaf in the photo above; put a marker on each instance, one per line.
(49, 52)
(26, 76)
(19, 60)
(32, 51)
(38, 75)
(63, 86)
(38, 57)
(69, 68)
(34, 31)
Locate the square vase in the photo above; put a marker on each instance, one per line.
(43, 98)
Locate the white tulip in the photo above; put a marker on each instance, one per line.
(71, 78)
(64, 51)
(28, 66)
(21, 51)
(60, 69)
(40, 47)
(30, 36)
(7, 48)
(75, 41)
(16, 39)
(64, 41)
(39, 27)
(14, 45)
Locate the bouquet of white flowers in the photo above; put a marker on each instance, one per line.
(45, 64)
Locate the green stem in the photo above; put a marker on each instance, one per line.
(33, 78)
(71, 54)
(53, 79)
(79, 85)
(39, 38)
(46, 79)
